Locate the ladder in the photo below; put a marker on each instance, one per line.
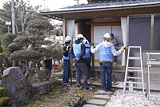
(136, 79)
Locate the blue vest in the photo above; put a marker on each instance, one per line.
(77, 50)
(87, 51)
(105, 53)
(66, 57)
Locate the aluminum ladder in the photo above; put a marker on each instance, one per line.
(134, 70)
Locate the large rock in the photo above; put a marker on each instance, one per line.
(16, 85)
(41, 87)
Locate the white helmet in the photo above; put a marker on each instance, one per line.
(107, 36)
(79, 36)
(85, 41)
(68, 39)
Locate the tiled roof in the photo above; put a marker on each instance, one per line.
(122, 2)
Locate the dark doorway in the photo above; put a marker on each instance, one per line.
(84, 27)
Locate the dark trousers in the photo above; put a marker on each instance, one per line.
(82, 68)
(90, 73)
(66, 71)
(106, 66)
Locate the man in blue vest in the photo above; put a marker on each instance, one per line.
(106, 49)
(66, 60)
(87, 56)
(78, 52)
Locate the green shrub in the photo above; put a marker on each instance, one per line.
(7, 39)
(25, 55)
(14, 47)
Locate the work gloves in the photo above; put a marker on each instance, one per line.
(123, 47)
(92, 46)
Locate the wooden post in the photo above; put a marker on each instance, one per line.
(152, 32)
(64, 29)
(92, 32)
(127, 44)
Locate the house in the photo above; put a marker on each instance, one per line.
(133, 22)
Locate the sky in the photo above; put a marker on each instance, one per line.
(50, 4)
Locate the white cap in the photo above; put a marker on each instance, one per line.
(107, 36)
(79, 36)
(68, 39)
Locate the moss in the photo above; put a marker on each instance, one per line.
(2, 91)
(4, 101)
(0, 77)
(25, 102)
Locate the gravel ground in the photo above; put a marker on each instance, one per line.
(120, 100)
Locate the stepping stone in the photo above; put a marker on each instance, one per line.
(91, 105)
(102, 96)
(101, 92)
(96, 102)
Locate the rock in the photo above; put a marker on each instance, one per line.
(41, 87)
(16, 85)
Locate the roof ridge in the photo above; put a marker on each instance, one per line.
(109, 3)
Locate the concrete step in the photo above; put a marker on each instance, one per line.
(4, 101)
(96, 102)
(91, 105)
(104, 97)
(101, 92)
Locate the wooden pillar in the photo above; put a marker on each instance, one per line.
(92, 31)
(152, 32)
(127, 44)
(64, 29)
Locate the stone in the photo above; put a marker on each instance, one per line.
(101, 92)
(102, 97)
(41, 87)
(96, 102)
(16, 85)
(91, 105)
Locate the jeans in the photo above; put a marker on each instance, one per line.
(66, 71)
(82, 68)
(103, 67)
(90, 72)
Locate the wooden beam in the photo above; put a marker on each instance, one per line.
(152, 32)
(111, 13)
(107, 24)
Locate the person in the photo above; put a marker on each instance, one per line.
(115, 42)
(87, 56)
(78, 51)
(106, 49)
(66, 60)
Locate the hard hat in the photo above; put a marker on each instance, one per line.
(107, 36)
(79, 36)
(85, 40)
(68, 39)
